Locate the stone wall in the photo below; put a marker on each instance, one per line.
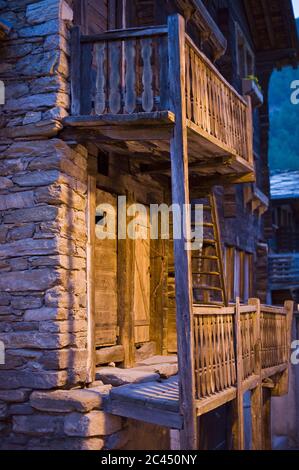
(43, 187)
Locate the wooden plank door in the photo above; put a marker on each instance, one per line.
(141, 307)
(105, 266)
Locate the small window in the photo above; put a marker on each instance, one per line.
(238, 273)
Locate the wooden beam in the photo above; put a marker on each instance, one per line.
(257, 392)
(75, 71)
(182, 257)
(129, 33)
(269, 25)
(91, 211)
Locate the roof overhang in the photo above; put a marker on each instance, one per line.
(273, 28)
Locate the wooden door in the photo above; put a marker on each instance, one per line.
(105, 264)
(141, 303)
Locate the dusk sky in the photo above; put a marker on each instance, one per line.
(296, 7)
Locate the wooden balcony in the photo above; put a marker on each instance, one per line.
(236, 349)
(122, 98)
(284, 271)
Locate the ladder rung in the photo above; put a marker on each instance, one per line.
(209, 242)
(207, 273)
(212, 258)
(206, 208)
(216, 289)
(202, 224)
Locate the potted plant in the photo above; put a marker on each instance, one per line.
(252, 88)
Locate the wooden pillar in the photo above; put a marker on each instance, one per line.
(91, 212)
(125, 282)
(76, 71)
(238, 404)
(257, 393)
(182, 257)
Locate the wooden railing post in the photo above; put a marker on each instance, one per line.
(257, 392)
(238, 404)
(182, 256)
(76, 71)
(282, 387)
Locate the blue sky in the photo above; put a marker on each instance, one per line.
(296, 7)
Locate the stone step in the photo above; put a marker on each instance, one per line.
(158, 360)
(116, 376)
(164, 370)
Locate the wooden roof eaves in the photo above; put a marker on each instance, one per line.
(204, 21)
(276, 55)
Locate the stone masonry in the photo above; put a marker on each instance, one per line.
(44, 402)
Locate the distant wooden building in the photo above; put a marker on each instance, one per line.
(284, 256)
(160, 102)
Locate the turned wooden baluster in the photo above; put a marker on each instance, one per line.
(115, 77)
(100, 97)
(130, 76)
(147, 75)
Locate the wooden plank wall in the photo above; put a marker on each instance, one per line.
(91, 15)
(105, 262)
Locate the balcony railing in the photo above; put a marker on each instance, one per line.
(126, 72)
(284, 270)
(237, 347)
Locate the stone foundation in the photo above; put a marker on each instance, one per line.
(65, 420)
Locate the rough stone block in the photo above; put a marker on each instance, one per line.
(64, 359)
(117, 377)
(37, 280)
(65, 401)
(37, 425)
(34, 214)
(36, 380)
(35, 340)
(71, 443)
(14, 396)
(95, 423)
(26, 302)
(17, 200)
(45, 313)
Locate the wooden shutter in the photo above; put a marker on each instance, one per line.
(106, 282)
(141, 307)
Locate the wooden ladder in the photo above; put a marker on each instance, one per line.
(209, 286)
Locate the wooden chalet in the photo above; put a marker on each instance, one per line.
(168, 105)
(157, 98)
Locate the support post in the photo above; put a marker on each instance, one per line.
(266, 417)
(257, 392)
(182, 257)
(282, 387)
(238, 404)
(125, 269)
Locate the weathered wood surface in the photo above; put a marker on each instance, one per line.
(182, 257)
(106, 271)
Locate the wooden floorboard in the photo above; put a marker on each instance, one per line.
(151, 402)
